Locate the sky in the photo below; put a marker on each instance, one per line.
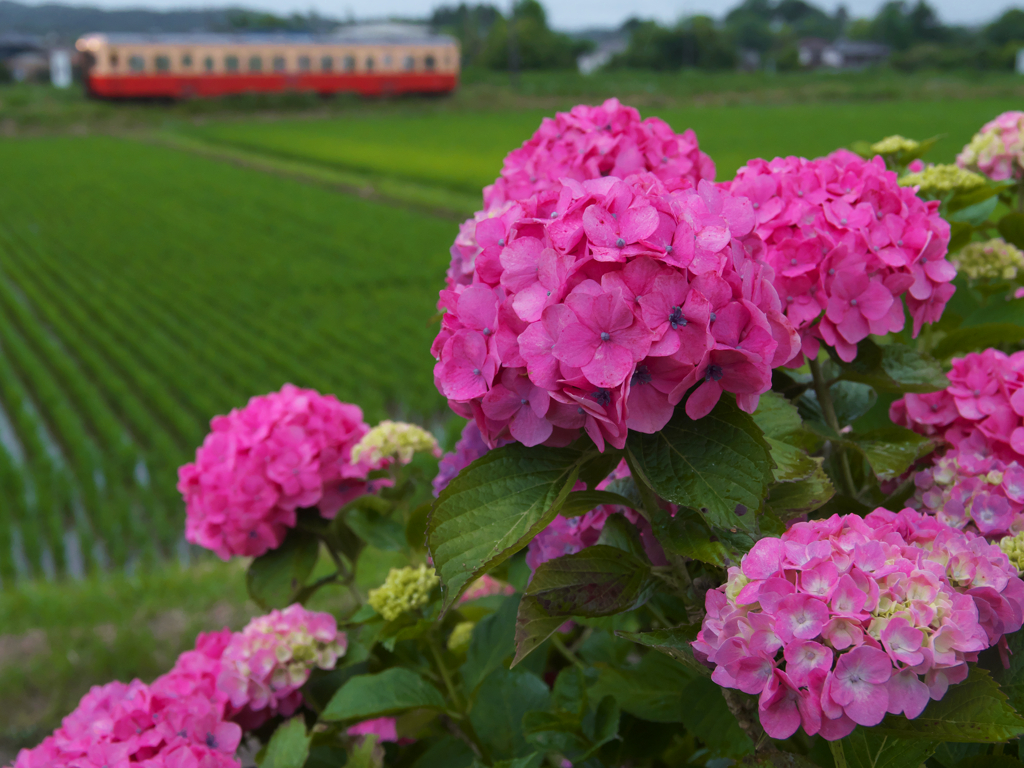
(563, 14)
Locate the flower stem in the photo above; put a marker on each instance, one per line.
(445, 675)
(828, 411)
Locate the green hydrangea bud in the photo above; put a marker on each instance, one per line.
(394, 439)
(993, 258)
(405, 589)
(459, 639)
(1013, 546)
(940, 179)
(890, 145)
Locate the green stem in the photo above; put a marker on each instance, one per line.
(648, 497)
(828, 410)
(571, 657)
(445, 675)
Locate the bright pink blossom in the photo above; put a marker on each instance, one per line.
(843, 620)
(384, 728)
(846, 242)
(261, 463)
(997, 150)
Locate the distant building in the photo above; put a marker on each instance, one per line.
(815, 52)
(602, 53)
(1020, 61)
(30, 66)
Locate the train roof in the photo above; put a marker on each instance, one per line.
(371, 35)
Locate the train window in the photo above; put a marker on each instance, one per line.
(113, 60)
(186, 61)
(279, 63)
(255, 64)
(136, 64)
(163, 64)
(304, 63)
(231, 63)
(429, 63)
(387, 61)
(326, 63)
(350, 63)
(369, 63)
(409, 63)
(208, 63)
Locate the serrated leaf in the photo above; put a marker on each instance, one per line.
(789, 500)
(687, 534)
(894, 368)
(497, 715)
(494, 507)
(716, 465)
(791, 463)
(976, 338)
(598, 581)
(975, 710)
(891, 450)
(365, 697)
(1011, 228)
(866, 749)
(288, 747)
(778, 418)
(580, 502)
(674, 643)
(275, 579)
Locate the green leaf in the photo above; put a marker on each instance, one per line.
(530, 761)
(493, 641)
(789, 500)
(494, 507)
(599, 581)
(976, 338)
(416, 528)
(891, 450)
(961, 200)
(1011, 228)
(779, 419)
(445, 752)
(275, 579)
(895, 368)
(394, 690)
(580, 502)
(975, 710)
(1011, 679)
(959, 235)
(598, 466)
(674, 643)
(375, 529)
(497, 715)
(288, 747)
(866, 749)
(707, 716)
(618, 532)
(976, 214)
(720, 465)
(363, 754)
(652, 690)
(791, 463)
(687, 534)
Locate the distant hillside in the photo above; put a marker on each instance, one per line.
(68, 21)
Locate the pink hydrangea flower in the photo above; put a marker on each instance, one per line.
(846, 243)
(384, 728)
(585, 143)
(264, 666)
(281, 452)
(486, 586)
(133, 724)
(981, 412)
(997, 150)
(844, 620)
(645, 292)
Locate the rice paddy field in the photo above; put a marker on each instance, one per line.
(153, 278)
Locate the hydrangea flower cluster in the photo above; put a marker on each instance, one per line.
(846, 242)
(134, 724)
(394, 440)
(604, 306)
(264, 666)
(984, 403)
(461, 637)
(261, 463)
(968, 489)
(992, 259)
(938, 180)
(841, 621)
(405, 589)
(586, 143)
(895, 144)
(997, 150)
(486, 586)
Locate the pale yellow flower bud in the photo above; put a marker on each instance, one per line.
(890, 145)
(394, 439)
(405, 589)
(940, 179)
(462, 634)
(991, 259)
(1013, 546)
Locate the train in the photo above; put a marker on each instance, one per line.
(185, 66)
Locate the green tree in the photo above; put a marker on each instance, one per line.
(1007, 28)
(537, 46)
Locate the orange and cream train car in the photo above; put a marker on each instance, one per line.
(205, 65)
